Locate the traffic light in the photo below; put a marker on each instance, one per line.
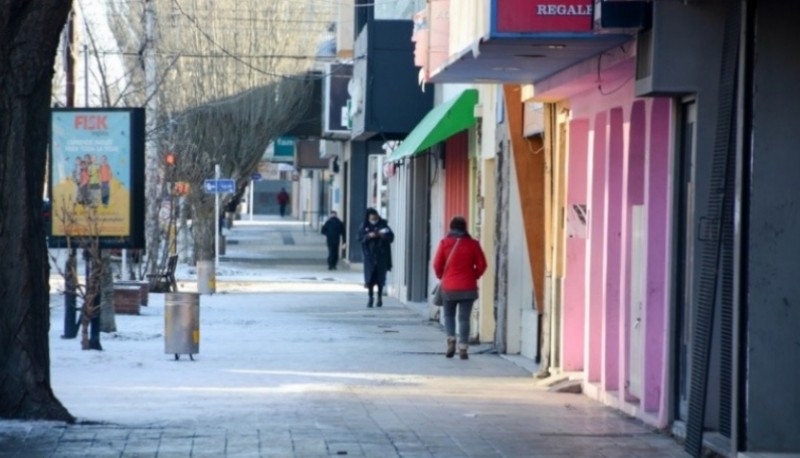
(181, 188)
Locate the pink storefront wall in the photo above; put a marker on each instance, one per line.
(658, 248)
(597, 261)
(614, 250)
(619, 158)
(637, 146)
(575, 297)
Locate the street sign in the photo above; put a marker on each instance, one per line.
(221, 186)
(256, 177)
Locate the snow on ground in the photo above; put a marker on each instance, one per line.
(133, 381)
(133, 371)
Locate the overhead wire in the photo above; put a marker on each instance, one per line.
(225, 51)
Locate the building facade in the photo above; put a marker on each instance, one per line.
(630, 180)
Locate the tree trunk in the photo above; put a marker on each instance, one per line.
(108, 321)
(203, 228)
(29, 33)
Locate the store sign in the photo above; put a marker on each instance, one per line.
(281, 150)
(542, 16)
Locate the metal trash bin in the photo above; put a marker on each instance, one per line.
(206, 277)
(182, 324)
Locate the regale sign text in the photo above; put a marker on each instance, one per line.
(563, 10)
(531, 17)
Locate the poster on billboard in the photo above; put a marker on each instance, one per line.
(97, 176)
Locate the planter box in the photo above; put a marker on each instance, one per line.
(142, 285)
(127, 300)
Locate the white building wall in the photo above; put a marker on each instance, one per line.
(446, 92)
(337, 193)
(438, 226)
(521, 315)
(305, 196)
(469, 23)
(487, 109)
(397, 216)
(345, 24)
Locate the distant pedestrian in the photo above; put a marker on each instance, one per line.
(283, 201)
(231, 209)
(105, 181)
(376, 238)
(333, 230)
(459, 263)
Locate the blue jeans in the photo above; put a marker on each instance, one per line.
(464, 311)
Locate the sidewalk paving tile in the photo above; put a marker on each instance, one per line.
(293, 365)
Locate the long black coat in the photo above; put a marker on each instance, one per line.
(377, 251)
(333, 230)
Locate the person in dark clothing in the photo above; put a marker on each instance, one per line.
(333, 230)
(283, 201)
(230, 211)
(376, 238)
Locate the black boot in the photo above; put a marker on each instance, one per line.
(451, 347)
(462, 351)
(380, 297)
(370, 302)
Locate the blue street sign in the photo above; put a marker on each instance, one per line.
(221, 186)
(256, 177)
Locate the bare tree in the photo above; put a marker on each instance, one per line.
(82, 227)
(231, 79)
(29, 34)
(233, 133)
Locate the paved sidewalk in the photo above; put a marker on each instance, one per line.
(274, 250)
(300, 368)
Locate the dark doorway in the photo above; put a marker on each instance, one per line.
(684, 249)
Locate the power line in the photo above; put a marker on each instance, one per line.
(208, 37)
(211, 56)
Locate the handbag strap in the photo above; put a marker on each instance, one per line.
(447, 263)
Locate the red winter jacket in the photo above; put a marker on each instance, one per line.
(466, 265)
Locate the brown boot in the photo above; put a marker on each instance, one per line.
(451, 347)
(462, 351)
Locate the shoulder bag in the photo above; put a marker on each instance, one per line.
(437, 290)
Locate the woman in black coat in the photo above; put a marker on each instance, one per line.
(376, 238)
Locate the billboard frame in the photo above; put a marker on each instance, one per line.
(135, 237)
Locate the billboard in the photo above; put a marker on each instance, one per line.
(97, 176)
(523, 17)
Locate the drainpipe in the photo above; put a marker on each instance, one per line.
(740, 230)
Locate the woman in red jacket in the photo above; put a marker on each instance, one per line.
(459, 263)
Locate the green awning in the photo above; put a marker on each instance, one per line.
(439, 124)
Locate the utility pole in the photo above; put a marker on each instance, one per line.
(217, 175)
(69, 60)
(152, 187)
(86, 75)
